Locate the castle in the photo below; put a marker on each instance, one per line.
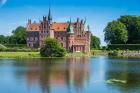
(73, 36)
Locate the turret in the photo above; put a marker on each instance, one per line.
(78, 20)
(49, 17)
(44, 18)
(70, 37)
(70, 28)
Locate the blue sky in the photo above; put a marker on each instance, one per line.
(98, 12)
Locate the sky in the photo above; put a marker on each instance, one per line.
(14, 13)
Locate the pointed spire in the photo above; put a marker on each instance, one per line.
(49, 15)
(82, 21)
(88, 27)
(78, 20)
(85, 20)
(70, 21)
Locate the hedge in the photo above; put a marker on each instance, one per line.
(124, 47)
(16, 45)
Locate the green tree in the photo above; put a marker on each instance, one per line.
(132, 24)
(2, 47)
(95, 42)
(52, 48)
(19, 36)
(116, 33)
(2, 39)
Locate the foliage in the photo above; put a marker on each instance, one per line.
(133, 27)
(113, 53)
(16, 45)
(124, 46)
(18, 37)
(19, 55)
(95, 42)
(52, 48)
(116, 33)
(104, 47)
(2, 47)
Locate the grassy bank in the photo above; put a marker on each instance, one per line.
(77, 54)
(99, 52)
(34, 55)
(19, 55)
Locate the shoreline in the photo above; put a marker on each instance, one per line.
(34, 55)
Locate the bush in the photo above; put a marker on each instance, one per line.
(113, 53)
(2, 47)
(124, 46)
(52, 48)
(16, 45)
(17, 50)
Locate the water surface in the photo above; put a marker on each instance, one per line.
(70, 75)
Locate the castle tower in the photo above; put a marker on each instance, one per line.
(50, 31)
(70, 37)
(50, 17)
(88, 39)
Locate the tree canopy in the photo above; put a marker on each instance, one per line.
(18, 37)
(132, 24)
(95, 42)
(125, 29)
(116, 33)
(52, 48)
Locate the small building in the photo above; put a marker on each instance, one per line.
(74, 36)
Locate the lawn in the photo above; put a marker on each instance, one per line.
(19, 55)
(34, 55)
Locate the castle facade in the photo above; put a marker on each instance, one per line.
(73, 36)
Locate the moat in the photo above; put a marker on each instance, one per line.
(70, 75)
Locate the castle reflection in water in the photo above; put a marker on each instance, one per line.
(56, 72)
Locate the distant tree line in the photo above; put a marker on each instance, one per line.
(124, 30)
(95, 42)
(18, 37)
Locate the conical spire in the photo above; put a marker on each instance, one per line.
(49, 15)
(85, 20)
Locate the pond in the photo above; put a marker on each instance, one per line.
(70, 75)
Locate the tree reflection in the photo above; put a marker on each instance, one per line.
(70, 72)
(127, 71)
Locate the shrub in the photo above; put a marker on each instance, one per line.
(113, 53)
(124, 46)
(2, 47)
(52, 48)
(16, 45)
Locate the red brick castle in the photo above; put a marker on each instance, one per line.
(74, 36)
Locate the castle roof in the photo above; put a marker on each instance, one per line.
(55, 26)
(60, 26)
(33, 27)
